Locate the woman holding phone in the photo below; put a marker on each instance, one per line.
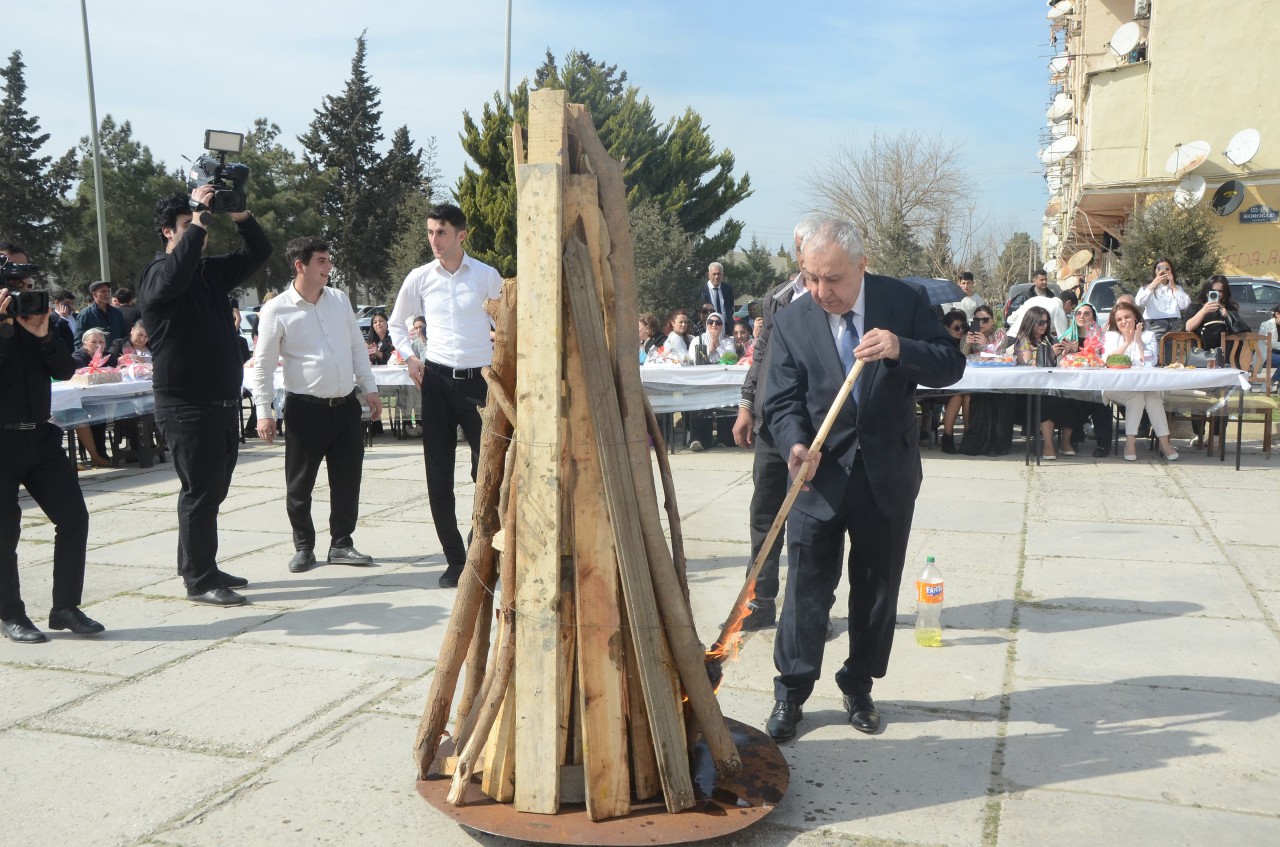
(1161, 300)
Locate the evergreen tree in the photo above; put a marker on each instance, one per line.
(32, 186)
(754, 275)
(664, 254)
(675, 165)
(1164, 230)
(411, 249)
(1014, 264)
(899, 253)
(937, 253)
(133, 180)
(341, 145)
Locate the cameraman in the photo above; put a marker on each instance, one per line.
(61, 326)
(31, 455)
(198, 374)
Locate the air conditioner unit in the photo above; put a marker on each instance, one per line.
(1141, 9)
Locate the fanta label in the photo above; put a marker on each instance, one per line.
(928, 592)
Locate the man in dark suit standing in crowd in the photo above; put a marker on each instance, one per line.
(865, 481)
(198, 374)
(717, 292)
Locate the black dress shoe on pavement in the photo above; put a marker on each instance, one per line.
(75, 620)
(761, 614)
(22, 631)
(783, 720)
(949, 444)
(449, 579)
(229, 581)
(348, 556)
(302, 561)
(1102, 451)
(863, 714)
(218, 597)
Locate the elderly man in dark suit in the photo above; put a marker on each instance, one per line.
(867, 477)
(717, 292)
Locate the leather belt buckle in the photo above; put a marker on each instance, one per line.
(335, 401)
(461, 373)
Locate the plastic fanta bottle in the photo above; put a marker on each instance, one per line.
(929, 605)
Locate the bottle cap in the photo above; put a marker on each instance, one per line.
(928, 560)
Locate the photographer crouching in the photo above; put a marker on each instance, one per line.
(198, 372)
(31, 455)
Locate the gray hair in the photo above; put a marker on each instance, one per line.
(827, 231)
(804, 229)
(716, 265)
(91, 333)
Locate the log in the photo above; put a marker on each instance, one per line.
(537, 479)
(620, 497)
(488, 711)
(493, 448)
(500, 750)
(687, 650)
(669, 497)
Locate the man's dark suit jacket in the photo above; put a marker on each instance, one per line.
(805, 373)
(726, 291)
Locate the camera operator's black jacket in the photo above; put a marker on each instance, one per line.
(26, 365)
(183, 297)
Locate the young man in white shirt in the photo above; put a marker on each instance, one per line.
(451, 293)
(312, 329)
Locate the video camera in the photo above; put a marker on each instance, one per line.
(22, 303)
(228, 181)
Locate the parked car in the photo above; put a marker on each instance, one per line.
(249, 326)
(1101, 295)
(1256, 298)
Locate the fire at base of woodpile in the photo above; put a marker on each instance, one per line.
(591, 699)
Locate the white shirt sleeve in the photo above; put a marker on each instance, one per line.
(266, 353)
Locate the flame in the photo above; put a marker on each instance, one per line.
(729, 644)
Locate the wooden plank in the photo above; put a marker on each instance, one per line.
(644, 765)
(566, 652)
(500, 751)
(548, 129)
(601, 667)
(620, 499)
(687, 649)
(537, 479)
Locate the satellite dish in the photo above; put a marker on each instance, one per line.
(1054, 208)
(1060, 149)
(1051, 266)
(1061, 107)
(1058, 130)
(1057, 10)
(1189, 192)
(1125, 39)
(1059, 64)
(1187, 157)
(1080, 259)
(1068, 282)
(1228, 197)
(1051, 238)
(1243, 146)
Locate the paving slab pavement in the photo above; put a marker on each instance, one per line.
(1110, 674)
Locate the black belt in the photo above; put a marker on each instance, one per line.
(19, 427)
(455, 373)
(322, 401)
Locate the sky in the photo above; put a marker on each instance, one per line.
(781, 86)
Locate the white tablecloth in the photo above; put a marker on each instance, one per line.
(1027, 379)
(687, 388)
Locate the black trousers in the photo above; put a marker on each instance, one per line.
(35, 459)
(332, 434)
(769, 474)
(877, 553)
(448, 403)
(204, 441)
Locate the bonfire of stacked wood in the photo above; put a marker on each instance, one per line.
(594, 688)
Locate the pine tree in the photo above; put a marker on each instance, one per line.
(754, 275)
(1014, 264)
(937, 253)
(341, 145)
(663, 254)
(32, 186)
(674, 165)
(898, 254)
(133, 180)
(1164, 230)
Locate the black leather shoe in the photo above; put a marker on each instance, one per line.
(949, 444)
(22, 631)
(449, 579)
(75, 620)
(761, 614)
(302, 561)
(863, 714)
(1102, 451)
(783, 720)
(229, 581)
(218, 597)
(348, 556)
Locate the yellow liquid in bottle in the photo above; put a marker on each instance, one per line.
(929, 637)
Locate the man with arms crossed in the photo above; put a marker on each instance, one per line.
(198, 374)
(451, 292)
(312, 328)
(865, 481)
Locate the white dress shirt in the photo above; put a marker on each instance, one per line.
(716, 295)
(323, 351)
(453, 304)
(1162, 304)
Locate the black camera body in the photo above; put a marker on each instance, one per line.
(10, 270)
(25, 304)
(228, 182)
